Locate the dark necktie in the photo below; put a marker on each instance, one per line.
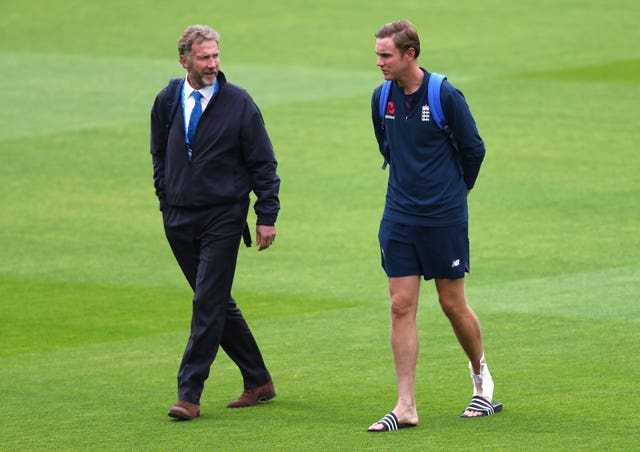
(195, 115)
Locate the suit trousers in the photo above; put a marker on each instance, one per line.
(205, 243)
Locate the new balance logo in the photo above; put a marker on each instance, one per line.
(455, 263)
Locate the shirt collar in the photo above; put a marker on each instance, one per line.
(206, 92)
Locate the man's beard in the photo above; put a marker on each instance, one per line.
(202, 81)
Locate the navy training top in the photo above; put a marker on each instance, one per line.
(427, 183)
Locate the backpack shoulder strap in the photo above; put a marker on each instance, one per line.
(172, 98)
(385, 88)
(384, 96)
(435, 107)
(435, 104)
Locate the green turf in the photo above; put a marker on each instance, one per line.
(94, 312)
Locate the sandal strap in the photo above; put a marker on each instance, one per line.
(480, 404)
(390, 421)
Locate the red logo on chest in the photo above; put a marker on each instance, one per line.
(391, 109)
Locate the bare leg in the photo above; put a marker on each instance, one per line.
(464, 322)
(404, 294)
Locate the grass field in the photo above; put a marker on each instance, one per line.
(94, 312)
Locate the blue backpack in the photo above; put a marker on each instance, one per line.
(435, 107)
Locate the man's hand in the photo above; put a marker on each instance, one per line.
(265, 236)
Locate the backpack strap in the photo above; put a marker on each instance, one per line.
(435, 106)
(382, 108)
(384, 95)
(172, 97)
(433, 95)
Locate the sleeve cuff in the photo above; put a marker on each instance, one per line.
(266, 220)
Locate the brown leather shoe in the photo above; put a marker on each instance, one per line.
(251, 397)
(184, 410)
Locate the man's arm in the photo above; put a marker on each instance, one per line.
(261, 164)
(471, 146)
(158, 145)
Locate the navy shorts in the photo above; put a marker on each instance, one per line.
(433, 252)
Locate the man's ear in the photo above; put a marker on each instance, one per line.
(410, 54)
(184, 62)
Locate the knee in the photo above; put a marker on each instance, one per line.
(401, 307)
(453, 307)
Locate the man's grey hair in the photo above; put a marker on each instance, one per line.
(195, 34)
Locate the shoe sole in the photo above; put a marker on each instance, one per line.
(261, 399)
(182, 417)
(267, 397)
